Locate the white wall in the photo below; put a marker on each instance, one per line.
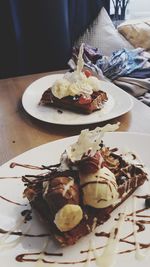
(138, 9)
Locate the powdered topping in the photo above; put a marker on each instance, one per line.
(88, 142)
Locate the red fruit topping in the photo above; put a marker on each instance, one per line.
(87, 73)
(84, 100)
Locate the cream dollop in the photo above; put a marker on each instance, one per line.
(100, 189)
(95, 83)
(60, 88)
(76, 83)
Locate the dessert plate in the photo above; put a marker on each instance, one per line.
(119, 102)
(30, 245)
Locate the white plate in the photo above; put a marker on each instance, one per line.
(29, 247)
(119, 102)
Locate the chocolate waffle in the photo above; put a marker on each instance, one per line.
(76, 103)
(81, 191)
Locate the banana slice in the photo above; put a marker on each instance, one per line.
(68, 217)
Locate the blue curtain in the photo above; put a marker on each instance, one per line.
(38, 35)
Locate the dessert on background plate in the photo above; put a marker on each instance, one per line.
(79, 91)
(80, 192)
(75, 98)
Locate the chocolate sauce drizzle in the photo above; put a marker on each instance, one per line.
(19, 233)
(22, 257)
(15, 177)
(30, 257)
(141, 227)
(27, 166)
(13, 202)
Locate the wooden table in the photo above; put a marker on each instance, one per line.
(20, 132)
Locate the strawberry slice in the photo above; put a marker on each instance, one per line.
(87, 73)
(84, 100)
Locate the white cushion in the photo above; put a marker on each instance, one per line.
(103, 35)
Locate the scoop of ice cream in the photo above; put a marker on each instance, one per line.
(100, 189)
(68, 217)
